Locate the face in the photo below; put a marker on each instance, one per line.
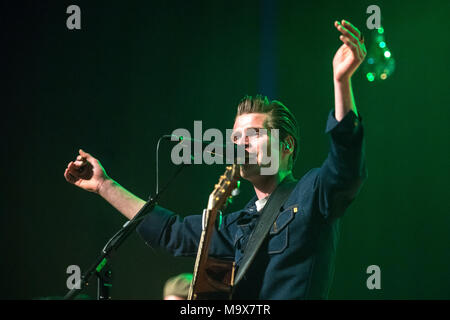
(247, 132)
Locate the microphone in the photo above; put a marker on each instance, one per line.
(230, 153)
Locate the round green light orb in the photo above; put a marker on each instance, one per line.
(370, 76)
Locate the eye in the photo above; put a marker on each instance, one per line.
(254, 132)
(235, 136)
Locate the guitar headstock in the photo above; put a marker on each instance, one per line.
(223, 189)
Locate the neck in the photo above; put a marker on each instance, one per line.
(265, 185)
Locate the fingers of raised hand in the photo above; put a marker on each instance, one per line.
(69, 176)
(347, 33)
(353, 47)
(351, 37)
(73, 168)
(80, 163)
(348, 41)
(83, 154)
(352, 29)
(77, 165)
(81, 168)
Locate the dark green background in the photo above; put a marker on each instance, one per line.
(140, 69)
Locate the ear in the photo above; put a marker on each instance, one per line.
(289, 145)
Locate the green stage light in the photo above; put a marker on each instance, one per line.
(370, 76)
(380, 63)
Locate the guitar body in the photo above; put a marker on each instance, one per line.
(214, 278)
(216, 282)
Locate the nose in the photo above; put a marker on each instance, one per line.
(242, 142)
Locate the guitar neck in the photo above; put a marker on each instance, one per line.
(203, 249)
(218, 198)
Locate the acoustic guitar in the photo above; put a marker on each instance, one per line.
(214, 278)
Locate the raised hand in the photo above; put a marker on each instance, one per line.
(86, 172)
(351, 54)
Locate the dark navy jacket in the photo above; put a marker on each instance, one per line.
(297, 259)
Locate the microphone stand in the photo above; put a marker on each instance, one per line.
(101, 267)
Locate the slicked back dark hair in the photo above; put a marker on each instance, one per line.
(278, 117)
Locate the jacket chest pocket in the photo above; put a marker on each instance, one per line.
(279, 232)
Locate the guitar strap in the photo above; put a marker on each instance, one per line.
(268, 216)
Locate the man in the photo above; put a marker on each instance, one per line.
(296, 260)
